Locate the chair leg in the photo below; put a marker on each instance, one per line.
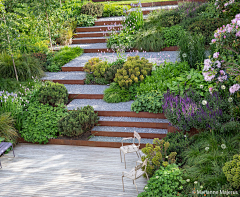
(137, 154)
(0, 164)
(13, 151)
(147, 176)
(135, 185)
(122, 183)
(120, 155)
(125, 161)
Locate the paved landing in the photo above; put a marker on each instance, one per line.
(66, 171)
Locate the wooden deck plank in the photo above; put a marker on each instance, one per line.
(61, 170)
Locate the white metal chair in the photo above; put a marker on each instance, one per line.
(130, 148)
(136, 172)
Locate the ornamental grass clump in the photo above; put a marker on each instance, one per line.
(193, 111)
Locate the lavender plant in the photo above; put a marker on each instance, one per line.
(193, 111)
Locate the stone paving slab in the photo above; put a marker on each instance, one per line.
(86, 89)
(154, 57)
(119, 139)
(76, 75)
(100, 105)
(133, 119)
(129, 129)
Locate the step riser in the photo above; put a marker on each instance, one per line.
(88, 41)
(85, 96)
(70, 69)
(130, 114)
(80, 82)
(99, 23)
(85, 143)
(127, 134)
(94, 29)
(100, 34)
(134, 124)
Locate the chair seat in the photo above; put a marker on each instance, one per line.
(131, 174)
(129, 148)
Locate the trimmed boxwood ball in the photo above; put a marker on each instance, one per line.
(78, 122)
(53, 93)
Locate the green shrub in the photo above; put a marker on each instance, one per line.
(26, 66)
(149, 40)
(149, 102)
(65, 55)
(230, 128)
(192, 49)
(7, 130)
(112, 70)
(78, 122)
(162, 77)
(115, 94)
(91, 64)
(231, 169)
(157, 156)
(85, 20)
(166, 182)
(171, 35)
(206, 26)
(111, 9)
(120, 41)
(134, 70)
(40, 122)
(179, 142)
(53, 94)
(94, 9)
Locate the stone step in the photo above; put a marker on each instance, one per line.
(133, 122)
(92, 34)
(128, 132)
(99, 28)
(119, 139)
(108, 22)
(88, 40)
(76, 77)
(86, 91)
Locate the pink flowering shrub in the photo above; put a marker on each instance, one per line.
(225, 62)
(227, 8)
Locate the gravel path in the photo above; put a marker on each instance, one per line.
(119, 139)
(154, 57)
(100, 105)
(132, 119)
(156, 7)
(86, 89)
(78, 75)
(116, 18)
(129, 129)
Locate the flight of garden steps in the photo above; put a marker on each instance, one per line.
(116, 121)
(93, 39)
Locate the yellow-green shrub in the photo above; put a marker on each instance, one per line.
(157, 155)
(97, 67)
(231, 170)
(134, 70)
(90, 65)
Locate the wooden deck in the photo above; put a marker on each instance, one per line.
(60, 170)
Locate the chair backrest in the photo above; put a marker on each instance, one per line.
(138, 167)
(136, 135)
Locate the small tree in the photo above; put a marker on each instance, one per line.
(8, 33)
